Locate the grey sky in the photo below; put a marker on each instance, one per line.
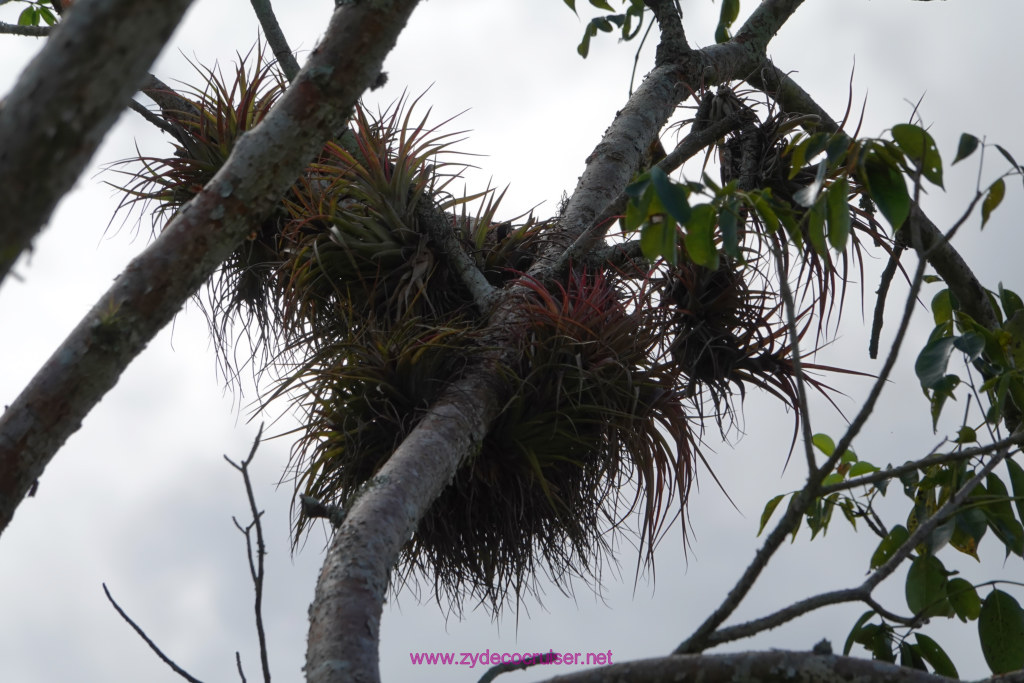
(141, 499)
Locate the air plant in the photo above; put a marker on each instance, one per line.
(363, 322)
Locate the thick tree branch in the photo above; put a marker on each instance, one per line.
(673, 43)
(764, 22)
(262, 166)
(345, 615)
(64, 102)
(753, 667)
(687, 148)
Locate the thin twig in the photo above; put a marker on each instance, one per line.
(152, 646)
(444, 235)
(698, 641)
(687, 148)
(883, 291)
(154, 119)
(313, 508)
(862, 592)
(255, 566)
(803, 410)
(953, 456)
(927, 526)
(238, 664)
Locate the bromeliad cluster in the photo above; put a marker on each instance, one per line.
(346, 295)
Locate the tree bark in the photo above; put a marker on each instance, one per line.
(155, 285)
(753, 667)
(65, 101)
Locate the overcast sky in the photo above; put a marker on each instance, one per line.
(141, 499)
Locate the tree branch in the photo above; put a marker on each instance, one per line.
(276, 38)
(345, 614)
(863, 591)
(262, 166)
(152, 646)
(64, 102)
(30, 31)
(751, 667)
(443, 234)
(255, 567)
(940, 254)
(345, 617)
(797, 508)
(954, 456)
(764, 22)
(673, 43)
(928, 525)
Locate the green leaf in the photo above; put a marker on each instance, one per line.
(602, 4)
(910, 656)
(824, 443)
(964, 598)
(966, 435)
(971, 343)
(968, 143)
(926, 588)
(672, 196)
(658, 240)
(838, 214)
(47, 16)
(1000, 516)
(728, 219)
(700, 242)
(1010, 301)
(816, 229)
(941, 392)
(936, 656)
(855, 631)
(768, 510)
(572, 6)
(584, 47)
(993, 198)
(896, 537)
(918, 144)
(28, 17)
(932, 361)
(1017, 482)
(1008, 157)
(887, 190)
(767, 213)
(862, 467)
(942, 307)
(834, 478)
(730, 10)
(1001, 631)
(837, 147)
